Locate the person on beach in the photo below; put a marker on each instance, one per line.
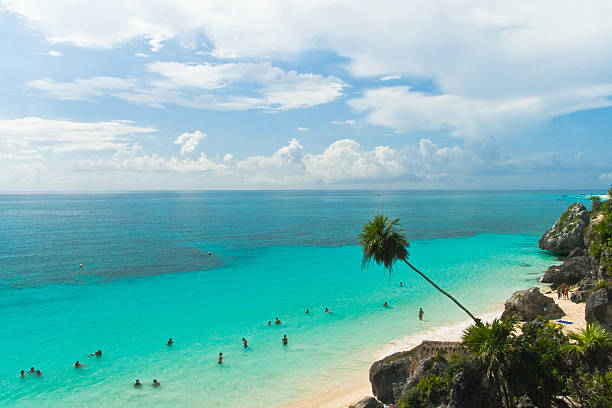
(559, 292)
(421, 313)
(285, 341)
(169, 342)
(137, 384)
(277, 321)
(385, 304)
(244, 342)
(79, 365)
(220, 358)
(32, 370)
(156, 383)
(97, 354)
(22, 374)
(38, 373)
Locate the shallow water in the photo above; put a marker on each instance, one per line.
(147, 276)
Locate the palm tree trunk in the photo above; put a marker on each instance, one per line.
(477, 320)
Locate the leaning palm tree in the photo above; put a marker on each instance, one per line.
(590, 345)
(383, 242)
(491, 344)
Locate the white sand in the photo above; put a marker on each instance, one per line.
(349, 390)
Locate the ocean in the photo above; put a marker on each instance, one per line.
(147, 275)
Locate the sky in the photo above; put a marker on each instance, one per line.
(282, 94)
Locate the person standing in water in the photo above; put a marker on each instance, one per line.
(277, 321)
(220, 358)
(137, 384)
(421, 313)
(244, 342)
(285, 341)
(170, 341)
(22, 374)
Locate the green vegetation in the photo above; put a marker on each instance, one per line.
(540, 362)
(600, 232)
(602, 284)
(384, 243)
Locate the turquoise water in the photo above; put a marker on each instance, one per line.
(147, 276)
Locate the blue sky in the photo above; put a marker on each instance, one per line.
(104, 95)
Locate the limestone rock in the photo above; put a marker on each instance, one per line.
(468, 391)
(525, 402)
(570, 271)
(568, 231)
(599, 308)
(575, 252)
(389, 372)
(367, 402)
(423, 368)
(529, 303)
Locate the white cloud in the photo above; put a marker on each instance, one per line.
(201, 87)
(141, 54)
(81, 89)
(228, 157)
(189, 141)
(35, 135)
(404, 110)
(507, 56)
(54, 53)
(390, 77)
(606, 176)
(343, 122)
(302, 129)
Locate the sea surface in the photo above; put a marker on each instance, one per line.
(147, 276)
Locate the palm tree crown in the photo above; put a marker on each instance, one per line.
(592, 343)
(383, 242)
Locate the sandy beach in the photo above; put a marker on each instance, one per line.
(351, 389)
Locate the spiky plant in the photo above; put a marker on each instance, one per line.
(384, 243)
(491, 344)
(591, 345)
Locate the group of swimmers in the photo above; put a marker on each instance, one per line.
(156, 383)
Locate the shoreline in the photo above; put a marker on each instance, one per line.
(354, 388)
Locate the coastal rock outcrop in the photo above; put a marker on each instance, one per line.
(599, 308)
(529, 303)
(367, 402)
(390, 375)
(570, 272)
(468, 391)
(424, 368)
(568, 231)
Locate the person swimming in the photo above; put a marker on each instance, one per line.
(156, 383)
(285, 341)
(244, 342)
(400, 284)
(22, 375)
(97, 354)
(137, 384)
(209, 253)
(79, 365)
(170, 341)
(38, 373)
(277, 321)
(421, 313)
(327, 310)
(307, 311)
(269, 322)
(32, 370)
(385, 304)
